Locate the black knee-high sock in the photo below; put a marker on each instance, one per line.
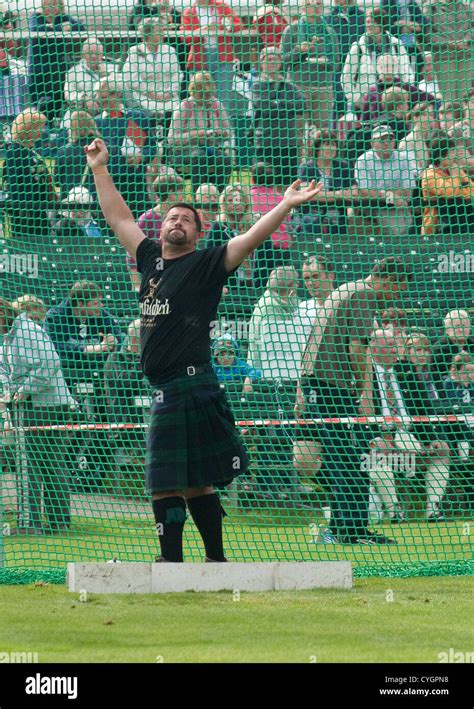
(170, 516)
(207, 514)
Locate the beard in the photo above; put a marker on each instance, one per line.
(177, 237)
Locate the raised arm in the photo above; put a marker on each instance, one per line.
(242, 246)
(115, 210)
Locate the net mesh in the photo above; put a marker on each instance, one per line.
(223, 105)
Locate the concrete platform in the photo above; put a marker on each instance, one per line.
(137, 577)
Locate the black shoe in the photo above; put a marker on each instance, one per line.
(207, 560)
(397, 519)
(436, 517)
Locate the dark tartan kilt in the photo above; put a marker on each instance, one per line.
(192, 440)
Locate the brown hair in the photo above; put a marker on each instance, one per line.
(83, 291)
(7, 314)
(394, 316)
(320, 137)
(461, 360)
(393, 268)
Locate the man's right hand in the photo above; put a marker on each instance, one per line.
(300, 404)
(97, 154)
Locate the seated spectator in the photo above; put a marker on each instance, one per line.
(457, 340)
(83, 332)
(124, 381)
(32, 305)
(388, 73)
(48, 56)
(229, 365)
(28, 182)
(78, 247)
(168, 189)
(151, 75)
(360, 66)
(81, 79)
(14, 89)
(199, 135)
(428, 82)
(395, 319)
(310, 52)
(277, 250)
(319, 219)
(234, 217)
(129, 134)
(394, 103)
(170, 19)
(277, 110)
(70, 166)
(209, 26)
(447, 190)
(405, 390)
(385, 178)
(459, 385)
(206, 201)
(270, 23)
(389, 176)
(463, 131)
(424, 124)
(40, 395)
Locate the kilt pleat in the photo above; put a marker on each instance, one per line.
(192, 440)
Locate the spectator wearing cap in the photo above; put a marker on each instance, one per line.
(447, 189)
(78, 248)
(41, 398)
(360, 66)
(389, 176)
(384, 177)
(310, 51)
(167, 190)
(424, 124)
(388, 75)
(151, 76)
(457, 339)
(229, 365)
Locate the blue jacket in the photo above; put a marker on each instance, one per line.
(70, 337)
(239, 370)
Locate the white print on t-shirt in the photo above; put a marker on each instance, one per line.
(155, 307)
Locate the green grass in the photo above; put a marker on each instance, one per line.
(279, 539)
(426, 616)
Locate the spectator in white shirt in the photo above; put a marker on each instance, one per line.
(151, 75)
(389, 176)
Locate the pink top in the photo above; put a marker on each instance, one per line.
(150, 224)
(263, 201)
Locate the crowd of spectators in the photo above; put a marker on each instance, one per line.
(377, 105)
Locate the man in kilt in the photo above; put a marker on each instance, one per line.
(192, 444)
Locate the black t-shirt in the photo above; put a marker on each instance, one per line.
(178, 306)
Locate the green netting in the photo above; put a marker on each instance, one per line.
(342, 340)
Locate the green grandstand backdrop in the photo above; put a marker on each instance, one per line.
(224, 104)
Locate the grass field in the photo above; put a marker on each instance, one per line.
(380, 620)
